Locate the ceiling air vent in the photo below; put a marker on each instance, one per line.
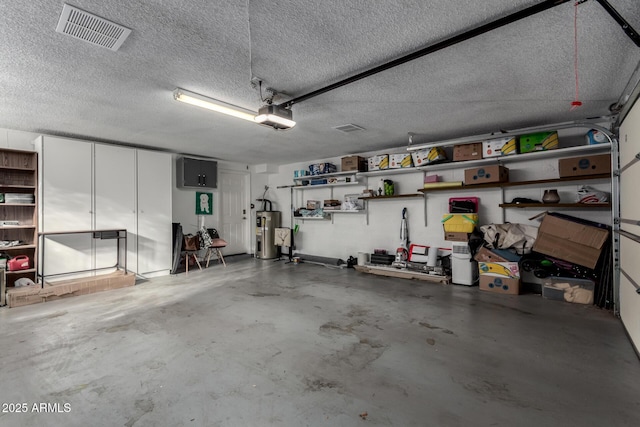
(91, 28)
(348, 128)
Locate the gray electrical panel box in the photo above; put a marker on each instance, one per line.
(196, 173)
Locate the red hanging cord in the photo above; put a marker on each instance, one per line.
(575, 104)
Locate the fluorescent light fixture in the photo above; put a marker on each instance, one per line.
(275, 116)
(213, 104)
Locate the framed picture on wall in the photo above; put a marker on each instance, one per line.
(204, 203)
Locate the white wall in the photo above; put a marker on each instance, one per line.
(184, 200)
(348, 234)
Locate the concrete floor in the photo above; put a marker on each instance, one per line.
(264, 343)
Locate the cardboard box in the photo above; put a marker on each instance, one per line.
(500, 285)
(379, 162)
(455, 236)
(425, 157)
(354, 163)
(314, 204)
(570, 241)
(585, 165)
(27, 295)
(539, 141)
(577, 291)
(467, 152)
(486, 174)
(499, 147)
(486, 255)
(462, 223)
(399, 161)
(499, 269)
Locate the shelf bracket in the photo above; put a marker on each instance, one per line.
(425, 209)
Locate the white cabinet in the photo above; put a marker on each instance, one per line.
(115, 201)
(65, 203)
(90, 186)
(154, 245)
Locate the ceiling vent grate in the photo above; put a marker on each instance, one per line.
(91, 28)
(348, 128)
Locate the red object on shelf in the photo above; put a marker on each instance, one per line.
(18, 263)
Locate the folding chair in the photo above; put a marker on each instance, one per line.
(191, 247)
(216, 244)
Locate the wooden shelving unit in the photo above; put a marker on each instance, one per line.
(18, 175)
(516, 184)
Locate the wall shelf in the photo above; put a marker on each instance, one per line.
(311, 218)
(516, 184)
(395, 196)
(535, 155)
(557, 205)
(337, 184)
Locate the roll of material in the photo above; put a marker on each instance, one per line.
(432, 259)
(363, 258)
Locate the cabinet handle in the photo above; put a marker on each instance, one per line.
(204, 180)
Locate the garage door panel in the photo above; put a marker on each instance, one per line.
(629, 199)
(629, 299)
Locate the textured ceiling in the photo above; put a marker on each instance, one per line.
(516, 76)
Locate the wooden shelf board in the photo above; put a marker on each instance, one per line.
(16, 168)
(395, 196)
(30, 270)
(16, 227)
(21, 187)
(18, 204)
(517, 184)
(17, 247)
(556, 205)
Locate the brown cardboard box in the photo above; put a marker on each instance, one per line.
(585, 165)
(467, 151)
(501, 285)
(455, 236)
(570, 241)
(354, 163)
(18, 297)
(485, 255)
(486, 174)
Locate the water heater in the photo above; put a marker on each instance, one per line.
(266, 224)
(464, 270)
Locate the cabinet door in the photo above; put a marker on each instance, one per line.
(154, 212)
(115, 202)
(65, 203)
(209, 173)
(191, 172)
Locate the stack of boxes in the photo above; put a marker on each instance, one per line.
(499, 271)
(507, 146)
(461, 219)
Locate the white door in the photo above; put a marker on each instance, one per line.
(115, 202)
(154, 213)
(65, 204)
(629, 224)
(234, 210)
